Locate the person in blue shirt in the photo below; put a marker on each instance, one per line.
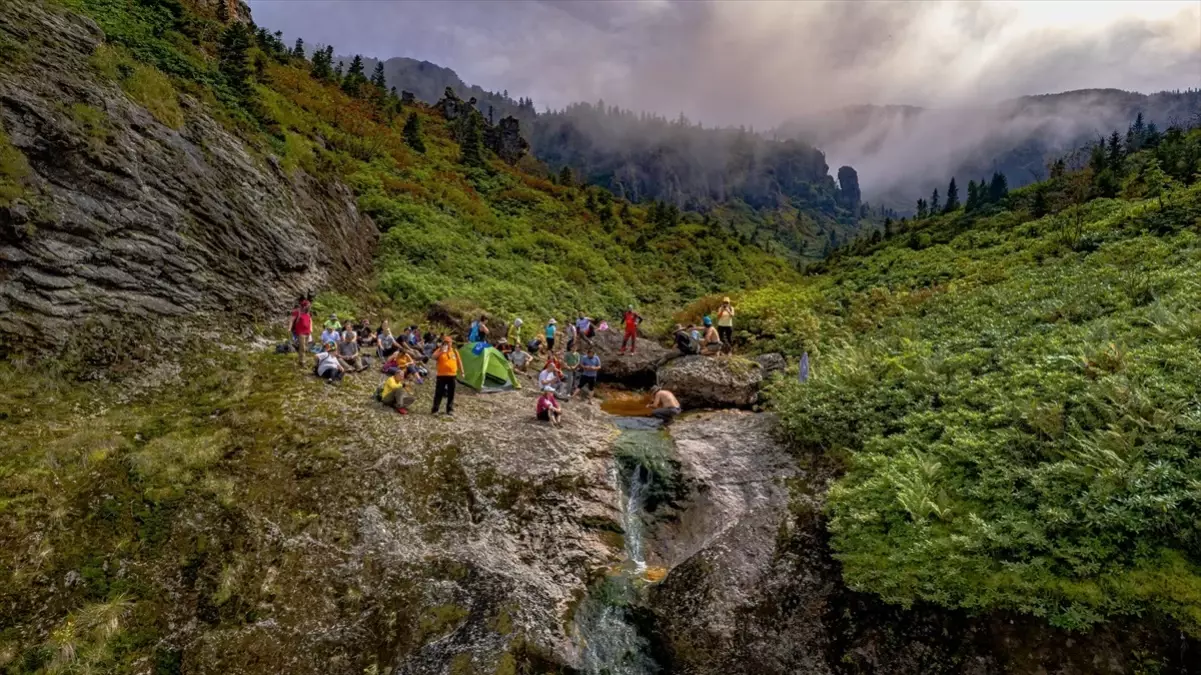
(589, 370)
(550, 335)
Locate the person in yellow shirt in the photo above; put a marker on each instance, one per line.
(449, 367)
(395, 392)
(725, 325)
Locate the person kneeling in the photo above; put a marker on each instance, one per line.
(664, 405)
(395, 392)
(548, 409)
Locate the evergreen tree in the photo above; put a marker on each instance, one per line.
(922, 211)
(888, 231)
(998, 189)
(934, 208)
(472, 146)
(298, 50)
(973, 200)
(378, 78)
(412, 133)
(952, 197)
(338, 72)
(354, 76)
(322, 63)
(1114, 154)
(566, 179)
(233, 58)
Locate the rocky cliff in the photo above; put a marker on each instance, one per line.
(128, 201)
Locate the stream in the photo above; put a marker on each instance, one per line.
(609, 640)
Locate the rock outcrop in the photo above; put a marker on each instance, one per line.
(637, 369)
(122, 216)
(714, 382)
(753, 588)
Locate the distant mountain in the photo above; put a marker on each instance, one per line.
(904, 152)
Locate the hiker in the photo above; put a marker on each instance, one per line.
(449, 367)
(571, 370)
(386, 344)
(725, 324)
(400, 361)
(630, 319)
(479, 330)
(519, 358)
(664, 405)
(584, 327)
(572, 334)
(547, 409)
(694, 333)
(504, 347)
(348, 350)
(302, 330)
(330, 334)
(428, 345)
(550, 335)
(514, 334)
(684, 341)
(332, 322)
(414, 338)
(590, 367)
(395, 392)
(367, 339)
(327, 366)
(550, 377)
(710, 342)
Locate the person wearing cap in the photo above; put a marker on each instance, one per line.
(449, 367)
(551, 326)
(302, 330)
(504, 347)
(710, 342)
(725, 324)
(664, 405)
(332, 322)
(328, 367)
(547, 408)
(630, 319)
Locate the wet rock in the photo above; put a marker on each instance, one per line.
(713, 382)
(637, 369)
(128, 217)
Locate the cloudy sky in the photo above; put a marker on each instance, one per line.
(761, 62)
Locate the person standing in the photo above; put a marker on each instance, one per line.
(725, 324)
(631, 319)
(514, 333)
(449, 367)
(571, 371)
(551, 326)
(589, 370)
(302, 330)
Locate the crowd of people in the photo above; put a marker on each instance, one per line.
(570, 365)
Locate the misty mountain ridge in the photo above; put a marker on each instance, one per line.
(903, 152)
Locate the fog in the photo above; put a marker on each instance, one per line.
(763, 63)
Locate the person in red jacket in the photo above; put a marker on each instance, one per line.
(631, 319)
(302, 330)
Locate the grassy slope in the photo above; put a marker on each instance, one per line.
(1018, 407)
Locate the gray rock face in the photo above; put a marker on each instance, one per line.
(126, 217)
(635, 369)
(713, 382)
(753, 589)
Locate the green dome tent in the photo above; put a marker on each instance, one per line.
(488, 370)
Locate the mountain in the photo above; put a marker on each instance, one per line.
(905, 152)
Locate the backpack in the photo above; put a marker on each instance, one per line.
(532, 346)
(283, 348)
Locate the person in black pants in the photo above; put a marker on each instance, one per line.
(449, 366)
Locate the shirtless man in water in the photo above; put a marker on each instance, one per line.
(664, 405)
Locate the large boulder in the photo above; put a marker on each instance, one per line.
(714, 382)
(637, 369)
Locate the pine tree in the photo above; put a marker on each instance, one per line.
(566, 178)
(952, 197)
(921, 209)
(1114, 154)
(472, 146)
(323, 63)
(298, 50)
(233, 58)
(973, 200)
(338, 72)
(998, 189)
(888, 232)
(412, 133)
(378, 78)
(934, 207)
(354, 76)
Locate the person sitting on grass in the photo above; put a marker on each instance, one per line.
(367, 339)
(332, 322)
(386, 343)
(330, 335)
(664, 405)
(327, 366)
(547, 408)
(348, 351)
(395, 392)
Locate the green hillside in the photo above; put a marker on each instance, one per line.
(1015, 395)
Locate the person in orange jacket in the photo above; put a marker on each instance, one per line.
(449, 367)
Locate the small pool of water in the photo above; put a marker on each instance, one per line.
(624, 402)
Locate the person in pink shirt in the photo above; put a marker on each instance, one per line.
(548, 409)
